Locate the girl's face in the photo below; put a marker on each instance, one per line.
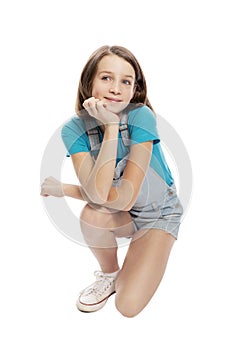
(114, 82)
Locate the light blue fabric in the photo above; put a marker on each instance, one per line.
(142, 127)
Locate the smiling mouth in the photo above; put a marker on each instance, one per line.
(111, 99)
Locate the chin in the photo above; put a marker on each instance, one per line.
(116, 107)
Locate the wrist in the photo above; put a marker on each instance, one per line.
(64, 189)
(74, 191)
(111, 129)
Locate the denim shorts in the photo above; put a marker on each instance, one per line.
(164, 215)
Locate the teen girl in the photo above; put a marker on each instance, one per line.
(124, 178)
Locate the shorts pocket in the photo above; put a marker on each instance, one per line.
(172, 206)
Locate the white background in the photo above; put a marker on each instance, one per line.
(185, 49)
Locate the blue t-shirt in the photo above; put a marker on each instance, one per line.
(141, 126)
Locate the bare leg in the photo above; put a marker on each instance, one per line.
(142, 271)
(100, 226)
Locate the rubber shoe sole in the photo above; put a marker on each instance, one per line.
(92, 307)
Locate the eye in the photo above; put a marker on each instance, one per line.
(126, 82)
(106, 78)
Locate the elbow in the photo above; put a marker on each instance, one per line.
(127, 195)
(100, 197)
(127, 207)
(99, 201)
(96, 199)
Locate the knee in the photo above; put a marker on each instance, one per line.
(94, 227)
(127, 305)
(94, 215)
(87, 215)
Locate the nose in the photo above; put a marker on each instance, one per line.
(115, 87)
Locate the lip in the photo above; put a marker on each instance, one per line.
(112, 99)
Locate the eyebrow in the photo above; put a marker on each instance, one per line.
(109, 72)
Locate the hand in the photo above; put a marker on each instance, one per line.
(98, 110)
(52, 187)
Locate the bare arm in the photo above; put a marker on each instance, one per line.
(96, 177)
(124, 196)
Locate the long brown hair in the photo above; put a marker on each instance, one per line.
(90, 69)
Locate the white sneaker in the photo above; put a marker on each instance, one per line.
(96, 295)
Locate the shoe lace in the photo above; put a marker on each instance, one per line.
(102, 283)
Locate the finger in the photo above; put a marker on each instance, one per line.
(86, 102)
(50, 181)
(43, 192)
(90, 102)
(100, 106)
(91, 110)
(90, 106)
(44, 195)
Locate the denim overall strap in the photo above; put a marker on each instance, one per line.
(124, 130)
(94, 138)
(93, 135)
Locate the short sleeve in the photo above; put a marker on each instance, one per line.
(142, 125)
(74, 136)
